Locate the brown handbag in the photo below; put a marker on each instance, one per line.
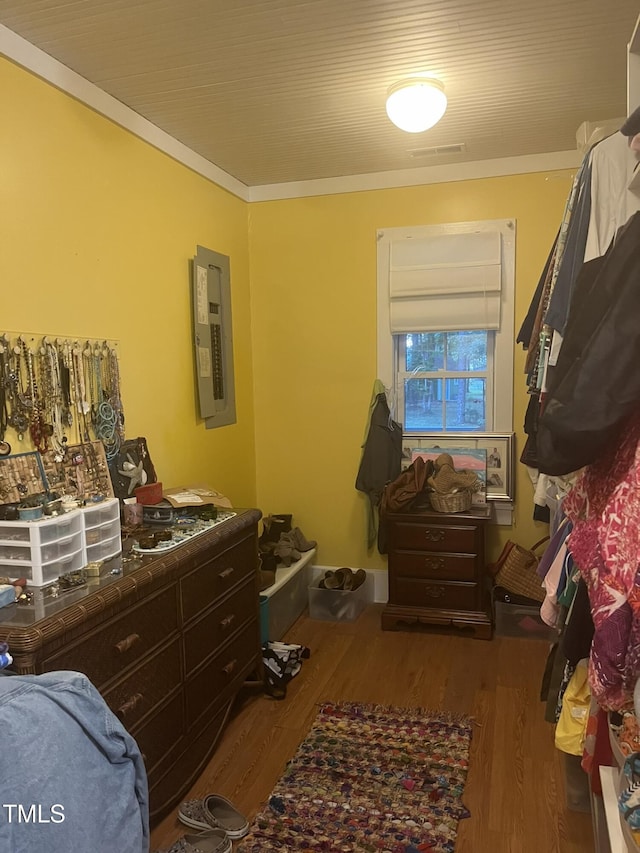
(515, 570)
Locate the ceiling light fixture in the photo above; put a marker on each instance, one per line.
(416, 104)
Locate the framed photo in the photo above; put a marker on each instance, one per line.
(499, 447)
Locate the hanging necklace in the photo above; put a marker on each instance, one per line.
(19, 405)
(37, 427)
(4, 381)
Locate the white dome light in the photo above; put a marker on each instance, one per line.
(416, 104)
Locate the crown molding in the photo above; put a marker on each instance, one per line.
(468, 171)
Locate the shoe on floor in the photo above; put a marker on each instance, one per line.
(299, 540)
(358, 579)
(214, 812)
(209, 841)
(329, 581)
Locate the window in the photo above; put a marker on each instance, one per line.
(444, 381)
(445, 325)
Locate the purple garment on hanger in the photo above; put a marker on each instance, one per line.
(552, 549)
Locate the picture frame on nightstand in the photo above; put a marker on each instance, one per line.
(499, 446)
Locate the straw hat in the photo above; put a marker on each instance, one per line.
(445, 479)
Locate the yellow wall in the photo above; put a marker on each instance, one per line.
(313, 302)
(96, 229)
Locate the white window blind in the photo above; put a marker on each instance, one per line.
(445, 282)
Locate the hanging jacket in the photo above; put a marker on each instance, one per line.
(381, 459)
(596, 382)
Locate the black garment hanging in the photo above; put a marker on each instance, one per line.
(381, 457)
(596, 382)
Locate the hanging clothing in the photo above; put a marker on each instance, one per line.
(596, 383)
(612, 203)
(604, 507)
(573, 255)
(381, 458)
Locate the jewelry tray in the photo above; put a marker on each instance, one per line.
(184, 533)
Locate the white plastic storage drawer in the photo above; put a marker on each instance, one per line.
(104, 550)
(102, 533)
(101, 513)
(44, 530)
(40, 574)
(39, 550)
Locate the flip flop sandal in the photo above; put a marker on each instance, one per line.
(216, 812)
(210, 841)
(358, 579)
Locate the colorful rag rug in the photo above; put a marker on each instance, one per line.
(369, 778)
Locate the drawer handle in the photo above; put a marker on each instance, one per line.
(434, 564)
(434, 535)
(228, 669)
(224, 623)
(227, 572)
(434, 591)
(130, 705)
(124, 645)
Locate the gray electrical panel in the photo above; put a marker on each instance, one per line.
(213, 337)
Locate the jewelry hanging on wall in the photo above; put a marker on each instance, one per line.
(37, 428)
(52, 397)
(50, 387)
(18, 404)
(4, 382)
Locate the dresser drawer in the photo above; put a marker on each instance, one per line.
(200, 588)
(122, 642)
(223, 674)
(418, 564)
(213, 629)
(160, 734)
(439, 594)
(432, 536)
(147, 686)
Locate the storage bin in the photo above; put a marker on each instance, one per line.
(41, 550)
(101, 530)
(339, 605)
(520, 620)
(40, 574)
(264, 619)
(287, 597)
(104, 550)
(288, 600)
(101, 533)
(94, 515)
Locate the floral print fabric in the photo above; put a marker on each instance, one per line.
(604, 507)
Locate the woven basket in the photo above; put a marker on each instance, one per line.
(452, 502)
(517, 571)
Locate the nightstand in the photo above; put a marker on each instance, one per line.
(436, 571)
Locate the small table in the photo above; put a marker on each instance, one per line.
(437, 571)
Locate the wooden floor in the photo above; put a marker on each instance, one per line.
(515, 788)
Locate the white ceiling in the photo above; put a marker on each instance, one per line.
(274, 91)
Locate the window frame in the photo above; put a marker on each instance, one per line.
(500, 419)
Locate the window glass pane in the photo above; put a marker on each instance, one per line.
(423, 404)
(425, 351)
(466, 350)
(465, 405)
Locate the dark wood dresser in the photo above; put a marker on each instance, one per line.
(168, 643)
(436, 571)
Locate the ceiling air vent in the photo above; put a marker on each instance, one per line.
(438, 150)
